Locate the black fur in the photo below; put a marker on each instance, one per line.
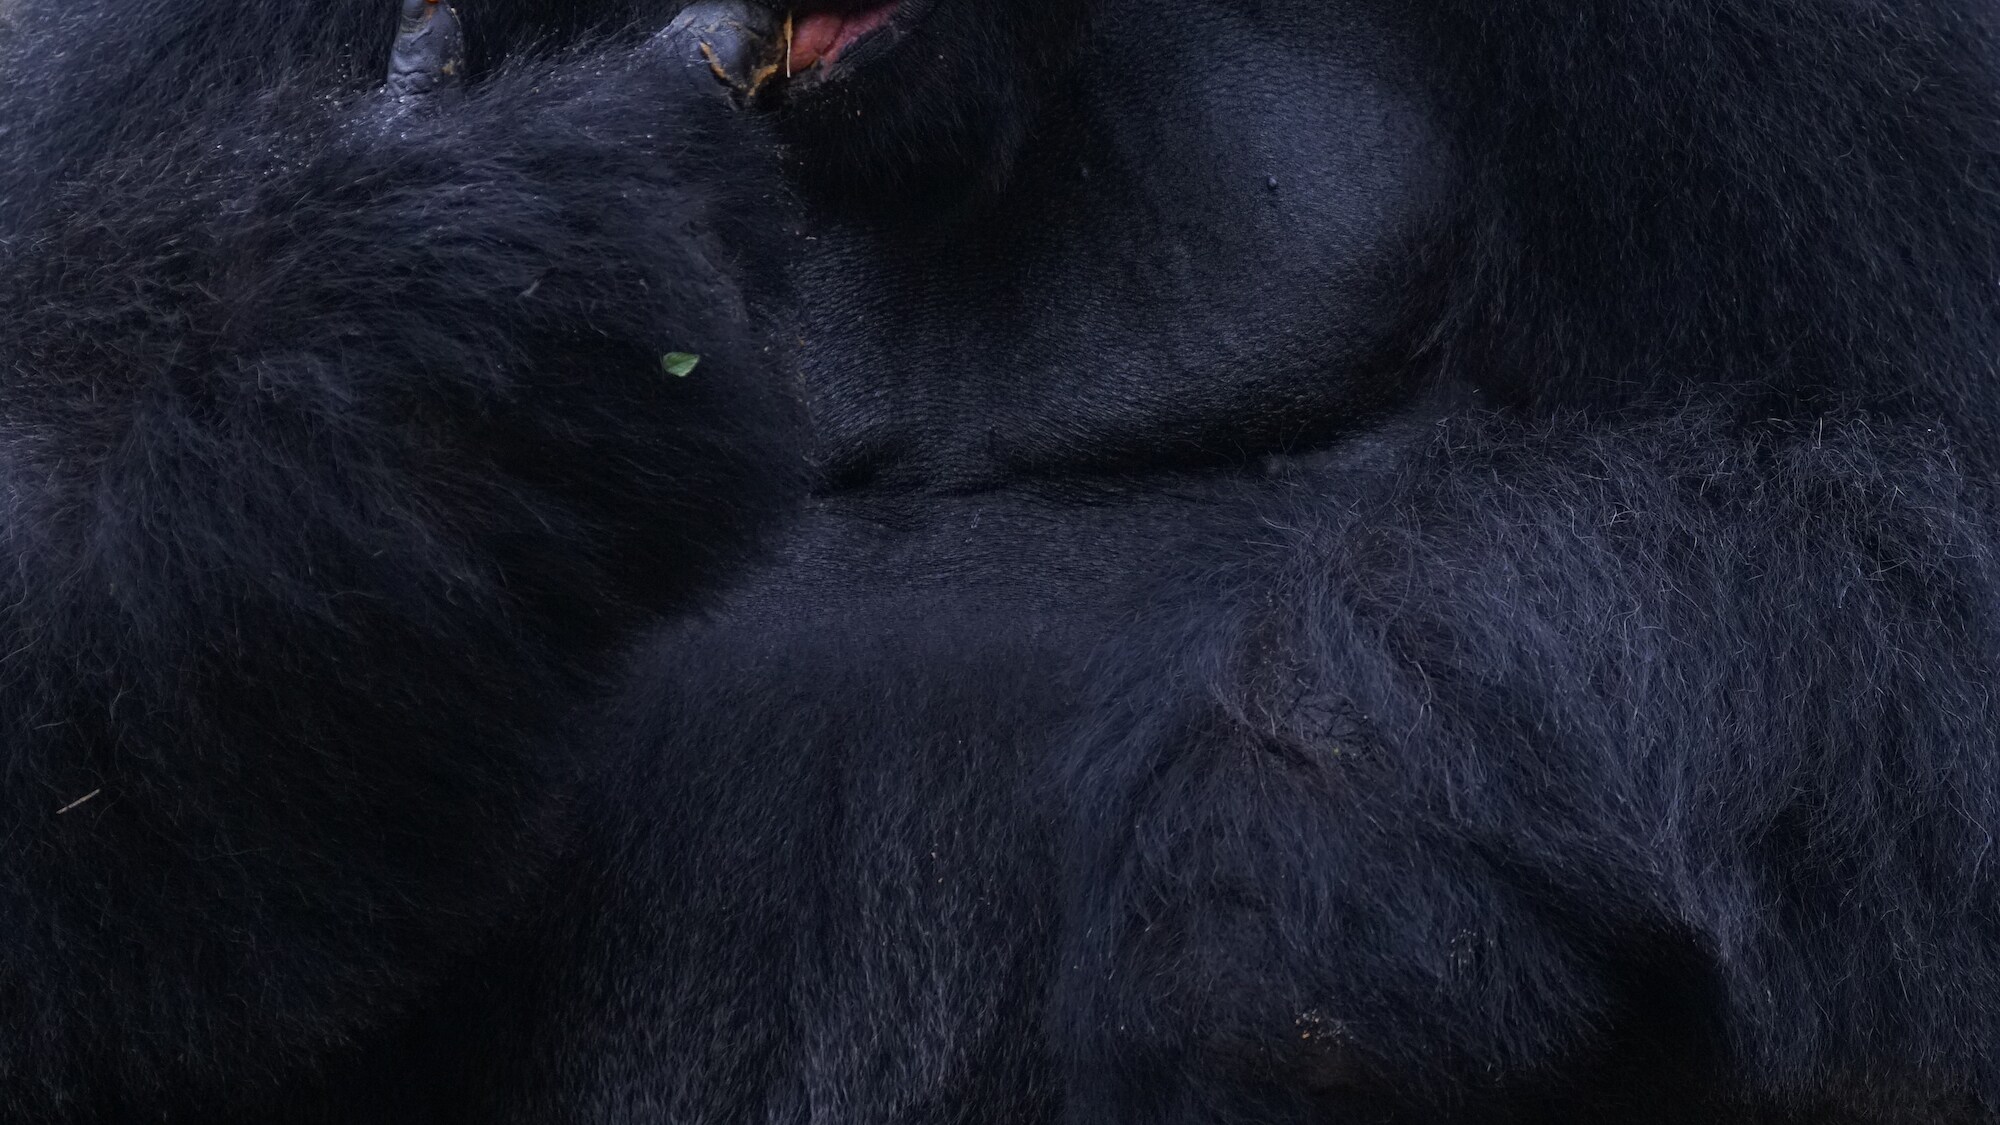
(338, 453)
(1374, 562)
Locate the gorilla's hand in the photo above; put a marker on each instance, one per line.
(429, 54)
(726, 45)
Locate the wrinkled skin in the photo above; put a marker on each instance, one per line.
(1368, 562)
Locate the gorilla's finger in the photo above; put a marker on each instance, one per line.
(429, 54)
(726, 44)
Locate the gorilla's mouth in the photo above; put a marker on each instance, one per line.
(824, 44)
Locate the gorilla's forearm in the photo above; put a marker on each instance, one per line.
(1565, 741)
(337, 446)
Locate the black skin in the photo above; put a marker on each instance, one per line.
(428, 54)
(1386, 563)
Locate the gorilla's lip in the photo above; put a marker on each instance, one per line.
(826, 43)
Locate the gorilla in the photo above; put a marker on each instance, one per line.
(994, 562)
(339, 453)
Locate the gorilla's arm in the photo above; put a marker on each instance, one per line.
(336, 441)
(1567, 748)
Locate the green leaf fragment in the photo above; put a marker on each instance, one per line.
(678, 364)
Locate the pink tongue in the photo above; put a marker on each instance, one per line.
(821, 36)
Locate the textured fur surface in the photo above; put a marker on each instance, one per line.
(337, 454)
(1372, 562)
